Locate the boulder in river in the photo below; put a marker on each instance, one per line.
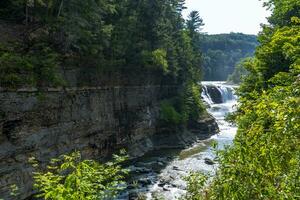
(165, 188)
(209, 161)
(215, 94)
(145, 181)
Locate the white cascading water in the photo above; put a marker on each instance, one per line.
(219, 111)
(226, 91)
(205, 95)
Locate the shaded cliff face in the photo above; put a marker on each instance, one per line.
(95, 121)
(46, 124)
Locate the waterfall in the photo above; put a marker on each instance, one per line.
(217, 92)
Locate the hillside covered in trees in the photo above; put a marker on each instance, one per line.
(222, 52)
(97, 35)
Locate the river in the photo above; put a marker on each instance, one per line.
(165, 179)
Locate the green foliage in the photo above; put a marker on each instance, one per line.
(192, 104)
(195, 181)
(283, 11)
(36, 68)
(239, 72)
(194, 22)
(231, 117)
(169, 115)
(105, 35)
(156, 59)
(264, 161)
(159, 59)
(279, 52)
(12, 66)
(70, 177)
(12, 10)
(14, 190)
(187, 107)
(85, 24)
(157, 196)
(223, 52)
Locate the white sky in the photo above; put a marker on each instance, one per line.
(225, 16)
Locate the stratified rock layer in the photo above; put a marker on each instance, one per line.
(94, 120)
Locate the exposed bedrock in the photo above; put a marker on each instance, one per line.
(215, 94)
(95, 120)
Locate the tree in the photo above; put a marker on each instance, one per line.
(194, 22)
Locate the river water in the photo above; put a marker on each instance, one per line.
(161, 174)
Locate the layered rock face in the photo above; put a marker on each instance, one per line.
(94, 120)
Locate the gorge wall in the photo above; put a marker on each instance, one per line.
(93, 120)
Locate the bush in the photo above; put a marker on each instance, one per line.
(159, 57)
(70, 177)
(156, 59)
(195, 183)
(192, 105)
(36, 68)
(188, 106)
(15, 70)
(169, 115)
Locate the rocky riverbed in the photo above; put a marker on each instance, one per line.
(160, 174)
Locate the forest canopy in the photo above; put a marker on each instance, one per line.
(222, 53)
(98, 35)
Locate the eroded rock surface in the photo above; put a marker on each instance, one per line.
(94, 120)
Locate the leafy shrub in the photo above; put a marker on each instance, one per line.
(187, 107)
(45, 66)
(169, 115)
(159, 57)
(70, 177)
(35, 68)
(16, 70)
(156, 59)
(192, 105)
(195, 184)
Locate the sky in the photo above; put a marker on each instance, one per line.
(225, 16)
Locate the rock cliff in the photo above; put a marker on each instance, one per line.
(93, 120)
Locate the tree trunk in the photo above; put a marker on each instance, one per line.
(60, 8)
(26, 14)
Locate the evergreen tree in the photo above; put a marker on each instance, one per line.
(194, 22)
